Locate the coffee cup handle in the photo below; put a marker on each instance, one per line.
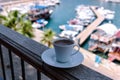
(76, 51)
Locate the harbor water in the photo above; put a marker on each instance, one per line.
(66, 11)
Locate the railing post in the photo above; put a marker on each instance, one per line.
(2, 63)
(11, 65)
(23, 69)
(38, 75)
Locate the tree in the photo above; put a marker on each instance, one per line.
(17, 22)
(47, 38)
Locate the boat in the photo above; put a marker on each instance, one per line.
(74, 21)
(35, 11)
(114, 51)
(38, 11)
(109, 28)
(85, 15)
(51, 2)
(102, 37)
(36, 25)
(68, 34)
(108, 14)
(39, 23)
(56, 1)
(71, 27)
(42, 21)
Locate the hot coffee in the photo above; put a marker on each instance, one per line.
(64, 42)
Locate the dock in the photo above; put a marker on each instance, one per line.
(90, 28)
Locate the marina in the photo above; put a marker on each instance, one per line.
(106, 68)
(85, 33)
(83, 36)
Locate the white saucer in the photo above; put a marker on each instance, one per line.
(49, 58)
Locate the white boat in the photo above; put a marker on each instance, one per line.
(68, 34)
(55, 1)
(104, 32)
(71, 27)
(36, 25)
(51, 2)
(102, 38)
(109, 28)
(108, 14)
(40, 23)
(84, 14)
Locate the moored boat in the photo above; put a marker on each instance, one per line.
(71, 27)
(68, 34)
(102, 37)
(84, 14)
(39, 12)
(114, 51)
(39, 23)
(108, 14)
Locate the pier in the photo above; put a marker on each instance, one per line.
(90, 28)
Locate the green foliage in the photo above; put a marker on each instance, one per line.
(17, 22)
(47, 38)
